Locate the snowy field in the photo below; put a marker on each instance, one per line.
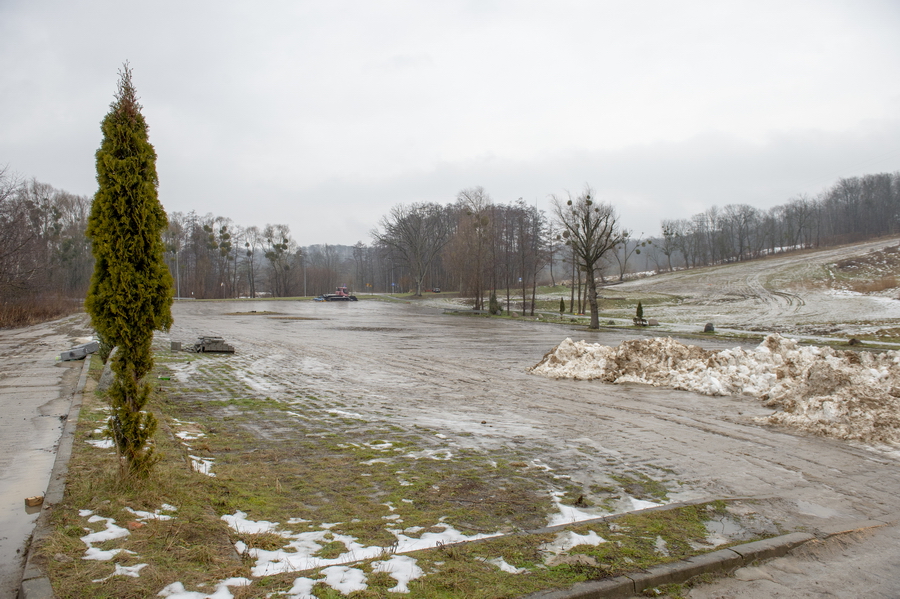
(810, 292)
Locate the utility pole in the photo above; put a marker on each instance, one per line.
(303, 260)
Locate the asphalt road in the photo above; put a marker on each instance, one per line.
(35, 394)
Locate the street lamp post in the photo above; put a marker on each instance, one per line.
(303, 259)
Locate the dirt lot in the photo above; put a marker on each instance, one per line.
(460, 384)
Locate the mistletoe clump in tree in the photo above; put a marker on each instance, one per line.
(591, 229)
(131, 288)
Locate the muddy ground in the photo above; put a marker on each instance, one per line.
(464, 379)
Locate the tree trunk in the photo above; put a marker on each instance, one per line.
(592, 300)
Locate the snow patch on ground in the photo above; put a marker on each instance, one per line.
(568, 514)
(191, 432)
(402, 568)
(109, 533)
(101, 443)
(155, 514)
(567, 540)
(176, 590)
(202, 465)
(298, 553)
(837, 393)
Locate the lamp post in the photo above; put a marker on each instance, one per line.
(303, 260)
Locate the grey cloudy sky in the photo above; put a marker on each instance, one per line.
(323, 115)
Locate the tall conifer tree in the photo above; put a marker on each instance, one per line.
(131, 288)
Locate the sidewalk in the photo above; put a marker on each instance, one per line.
(36, 393)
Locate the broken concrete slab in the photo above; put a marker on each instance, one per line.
(80, 352)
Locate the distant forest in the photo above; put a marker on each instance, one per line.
(471, 245)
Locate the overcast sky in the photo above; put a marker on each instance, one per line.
(323, 115)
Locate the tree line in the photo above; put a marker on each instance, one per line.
(472, 245)
(45, 257)
(853, 209)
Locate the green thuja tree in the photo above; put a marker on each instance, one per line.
(130, 295)
(640, 313)
(562, 306)
(493, 304)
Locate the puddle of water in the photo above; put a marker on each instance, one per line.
(723, 530)
(814, 509)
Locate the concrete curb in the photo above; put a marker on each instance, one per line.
(723, 561)
(35, 585)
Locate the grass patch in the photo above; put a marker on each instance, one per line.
(293, 462)
(641, 486)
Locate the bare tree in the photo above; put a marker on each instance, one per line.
(418, 233)
(591, 229)
(279, 250)
(254, 242)
(18, 262)
(626, 248)
(471, 243)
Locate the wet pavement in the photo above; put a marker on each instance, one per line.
(35, 394)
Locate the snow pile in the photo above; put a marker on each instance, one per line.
(843, 394)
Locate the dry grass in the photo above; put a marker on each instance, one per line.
(882, 284)
(28, 311)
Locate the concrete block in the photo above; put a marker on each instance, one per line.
(32, 571)
(774, 547)
(107, 376)
(723, 560)
(36, 588)
(80, 351)
(618, 587)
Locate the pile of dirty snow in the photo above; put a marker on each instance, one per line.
(843, 394)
